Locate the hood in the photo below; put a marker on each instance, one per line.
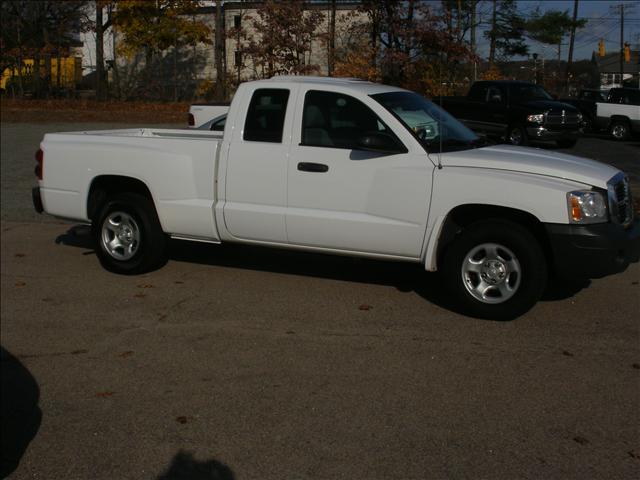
(544, 105)
(535, 161)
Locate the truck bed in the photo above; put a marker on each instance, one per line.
(179, 167)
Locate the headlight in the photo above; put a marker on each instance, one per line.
(538, 118)
(587, 206)
(579, 117)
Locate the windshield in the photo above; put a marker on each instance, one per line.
(524, 93)
(430, 124)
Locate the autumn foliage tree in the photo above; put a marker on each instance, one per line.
(38, 31)
(506, 31)
(408, 44)
(155, 26)
(284, 31)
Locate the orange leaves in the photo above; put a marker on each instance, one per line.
(158, 25)
(358, 64)
(408, 44)
(493, 73)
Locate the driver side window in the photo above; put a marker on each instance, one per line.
(494, 95)
(336, 120)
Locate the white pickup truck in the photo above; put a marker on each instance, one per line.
(347, 167)
(620, 114)
(201, 114)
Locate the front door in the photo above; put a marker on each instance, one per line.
(345, 198)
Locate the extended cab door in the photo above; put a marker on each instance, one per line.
(345, 198)
(487, 105)
(256, 169)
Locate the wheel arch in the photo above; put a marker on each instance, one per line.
(462, 216)
(619, 118)
(103, 186)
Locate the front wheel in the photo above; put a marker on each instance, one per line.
(128, 235)
(495, 269)
(517, 135)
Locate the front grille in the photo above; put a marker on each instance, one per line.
(561, 118)
(620, 199)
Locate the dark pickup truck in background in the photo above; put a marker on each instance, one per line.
(585, 102)
(518, 112)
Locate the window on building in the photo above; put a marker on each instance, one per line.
(265, 118)
(237, 58)
(236, 21)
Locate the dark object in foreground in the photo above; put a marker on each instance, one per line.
(20, 415)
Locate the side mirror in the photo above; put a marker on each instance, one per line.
(380, 142)
(554, 96)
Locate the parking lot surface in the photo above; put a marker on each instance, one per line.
(245, 363)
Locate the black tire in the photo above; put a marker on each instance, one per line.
(523, 281)
(517, 135)
(620, 130)
(588, 125)
(129, 238)
(566, 143)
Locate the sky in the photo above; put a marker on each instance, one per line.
(603, 22)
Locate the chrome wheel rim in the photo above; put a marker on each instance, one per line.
(120, 235)
(491, 273)
(618, 131)
(515, 137)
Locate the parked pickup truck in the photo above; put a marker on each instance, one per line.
(202, 113)
(620, 114)
(585, 101)
(347, 167)
(518, 112)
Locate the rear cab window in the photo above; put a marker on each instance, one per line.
(266, 115)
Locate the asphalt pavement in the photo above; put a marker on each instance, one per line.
(233, 362)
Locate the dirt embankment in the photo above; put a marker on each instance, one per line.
(43, 111)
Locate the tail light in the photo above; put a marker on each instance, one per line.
(192, 120)
(39, 164)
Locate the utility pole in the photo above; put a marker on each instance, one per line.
(473, 38)
(220, 90)
(621, 44)
(492, 38)
(573, 37)
(99, 53)
(332, 39)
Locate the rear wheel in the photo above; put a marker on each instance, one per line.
(620, 130)
(495, 269)
(128, 235)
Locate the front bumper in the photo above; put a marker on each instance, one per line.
(593, 251)
(540, 132)
(37, 199)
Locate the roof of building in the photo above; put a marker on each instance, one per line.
(610, 63)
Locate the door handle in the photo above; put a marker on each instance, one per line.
(313, 167)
